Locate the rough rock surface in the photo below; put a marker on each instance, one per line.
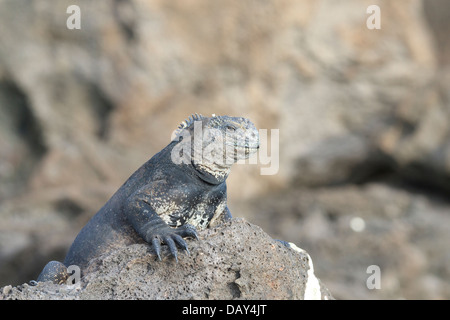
(236, 260)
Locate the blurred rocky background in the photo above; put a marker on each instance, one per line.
(363, 118)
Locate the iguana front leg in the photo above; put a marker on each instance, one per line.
(148, 224)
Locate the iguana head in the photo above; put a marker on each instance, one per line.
(214, 143)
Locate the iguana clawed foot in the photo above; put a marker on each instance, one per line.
(173, 237)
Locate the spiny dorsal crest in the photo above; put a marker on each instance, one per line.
(188, 122)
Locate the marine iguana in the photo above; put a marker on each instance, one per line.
(181, 188)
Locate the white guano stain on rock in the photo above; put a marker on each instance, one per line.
(312, 287)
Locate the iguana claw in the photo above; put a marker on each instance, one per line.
(172, 238)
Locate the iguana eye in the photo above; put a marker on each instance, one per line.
(231, 128)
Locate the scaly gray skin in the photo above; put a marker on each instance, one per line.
(180, 189)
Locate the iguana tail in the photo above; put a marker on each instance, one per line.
(53, 271)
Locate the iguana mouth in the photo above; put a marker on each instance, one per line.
(243, 146)
(243, 149)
